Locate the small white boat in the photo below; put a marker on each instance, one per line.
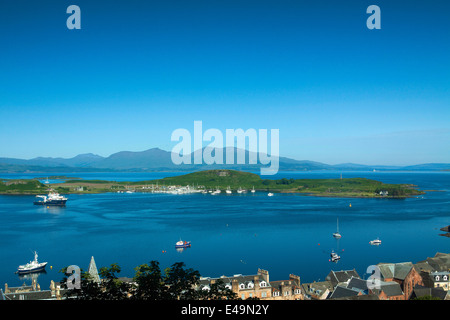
(375, 242)
(270, 194)
(337, 235)
(253, 190)
(32, 266)
(182, 244)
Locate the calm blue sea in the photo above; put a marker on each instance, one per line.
(230, 234)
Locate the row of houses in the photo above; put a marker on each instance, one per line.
(393, 281)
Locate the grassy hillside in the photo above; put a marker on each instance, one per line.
(360, 187)
(222, 179)
(21, 187)
(215, 178)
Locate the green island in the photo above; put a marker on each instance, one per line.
(221, 180)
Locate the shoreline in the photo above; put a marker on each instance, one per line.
(215, 180)
(306, 194)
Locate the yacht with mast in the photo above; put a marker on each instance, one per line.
(336, 234)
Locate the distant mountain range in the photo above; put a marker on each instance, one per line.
(156, 159)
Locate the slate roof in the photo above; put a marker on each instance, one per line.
(316, 288)
(395, 270)
(33, 295)
(336, 277)
(390, 288)
(361, 297)
(421, 291)
(440, 262)
(342, 292)
(358, 284)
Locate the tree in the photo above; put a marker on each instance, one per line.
(176, 283)
(150, 283)
(181, 282)
(113, 288)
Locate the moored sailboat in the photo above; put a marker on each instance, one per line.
(337, 234)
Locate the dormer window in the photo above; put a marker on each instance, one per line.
(263, 284)
(250, 285)
(242, 286)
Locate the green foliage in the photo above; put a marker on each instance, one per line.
(150, 282)
(21, 186)
(175, 283)
(181, 282)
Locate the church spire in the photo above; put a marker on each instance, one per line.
(93, 271)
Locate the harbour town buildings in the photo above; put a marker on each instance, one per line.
(396, 281)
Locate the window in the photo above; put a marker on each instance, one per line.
(263, 294)
(242, 286)
(243, 296)
(263, 284)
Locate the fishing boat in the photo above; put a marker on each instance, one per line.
(52, 199)
(182, 244)
(334, 257)
(337, 234)
(375, 242)
(32, 266)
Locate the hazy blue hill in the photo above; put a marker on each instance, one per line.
(156, 159)
(81, 160)
(429, 166)
(148, 159)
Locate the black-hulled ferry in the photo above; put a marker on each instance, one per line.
(52, 199)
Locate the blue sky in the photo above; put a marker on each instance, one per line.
(137, 70)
